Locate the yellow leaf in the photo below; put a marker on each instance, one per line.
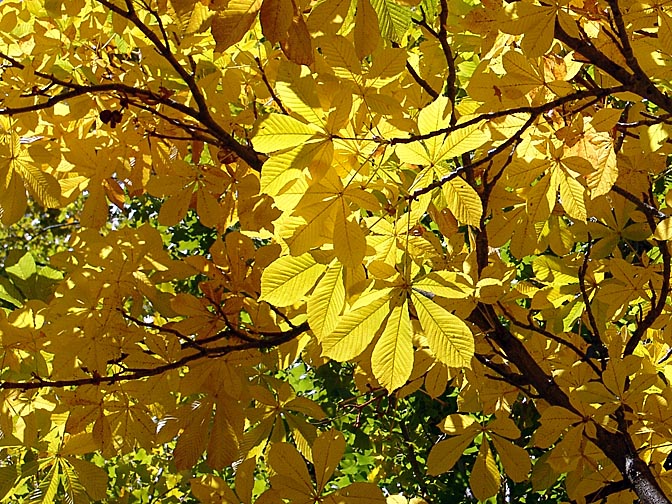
(436, 380)
(194, 438)
(340, 53)
(287, 279)
(275, 17)
(357, 493)
(210, 489)
(450, 340)
(245, 480)
(431, 118)
(358, 327)
(535, 23)
(515, 460)
(457, 423)
(222, 450)
(484, 480)
(230, 25)
(393, 18)
(13, 199)
(655, 137)
(463, 201)
(445, 454)
(327, 301)
(554, 420)
(328, 450)
(93, 478)
(292, 478)
(605, 119)
(208, 209)
(567, 453)
(663, 230)
(571, 195)
(277, 132)
(604, 177)
(446, 284)
(41, 185)
(665, 31)
(349, 239)
(298, 44)
(367, 34)
(327, 16)
(462, 141)
(392, 358)
(175, 207)
(299, 96)
(505, 427)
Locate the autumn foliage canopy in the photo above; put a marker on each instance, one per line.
(335, 251)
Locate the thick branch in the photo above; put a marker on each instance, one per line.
(451, 89)
(636, 82)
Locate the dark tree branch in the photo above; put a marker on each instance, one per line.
(636, 82)
(532, 326)
(451, 89)
(270, 89)
(528, 109)
(204, 116)
(130, 374)
(583, 269)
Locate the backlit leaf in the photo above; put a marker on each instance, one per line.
(289, 278)
(358, 327)
(278, 132)
(450, 340)
(392, 358)
(484, 480)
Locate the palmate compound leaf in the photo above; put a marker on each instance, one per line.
(450, 340)
(392, 358)
(287, 279)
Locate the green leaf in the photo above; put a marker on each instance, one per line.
(24, 268)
